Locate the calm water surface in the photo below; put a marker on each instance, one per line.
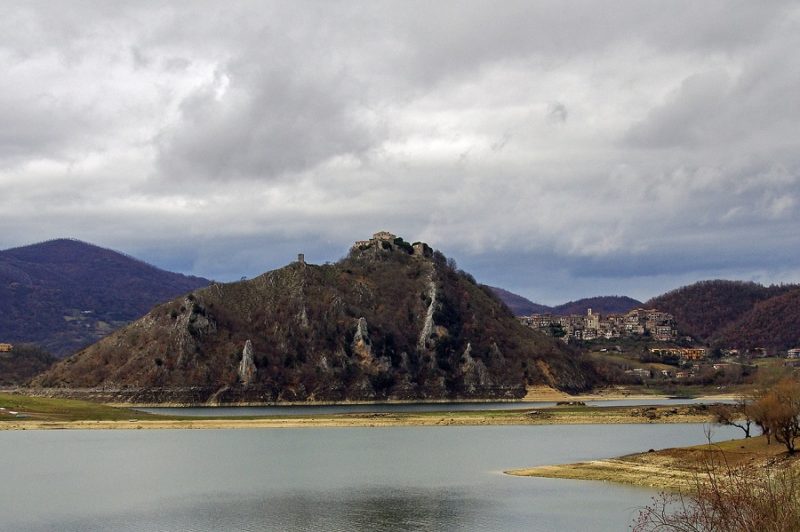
(400, 478)
(303, 410)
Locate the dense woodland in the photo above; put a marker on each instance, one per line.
(22, 363)
(735, 314)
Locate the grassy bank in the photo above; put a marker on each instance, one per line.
(32, 409)
(673, 469)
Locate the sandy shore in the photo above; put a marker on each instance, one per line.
(546, 393)
(638, 470)
(681, 468)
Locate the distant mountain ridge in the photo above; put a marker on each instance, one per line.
(521, 306)
(392, 320)
(64, 294)
(599, 305)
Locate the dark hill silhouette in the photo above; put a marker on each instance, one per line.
(519, 305)
(599, 305)
(388, 321)
(22, 363)
(705, 308)
(65, 294)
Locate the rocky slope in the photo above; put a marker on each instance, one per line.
(65, 294)
(388, 321)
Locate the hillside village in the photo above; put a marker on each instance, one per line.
(693, 363)
(638, 322)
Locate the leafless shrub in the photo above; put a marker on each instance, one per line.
(728, 499)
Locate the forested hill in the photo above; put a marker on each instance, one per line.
(773, 324)
(719, 309)
(65, 294)
(391, 320)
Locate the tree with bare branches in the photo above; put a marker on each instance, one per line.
(736, 415)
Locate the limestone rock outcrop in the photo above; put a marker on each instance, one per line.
(247, 367)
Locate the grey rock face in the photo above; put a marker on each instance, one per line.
(247, 367)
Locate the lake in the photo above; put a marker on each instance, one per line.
(355, 408)
(396, 478)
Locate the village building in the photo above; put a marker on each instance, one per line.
(793, 353)
(5, 348)
(693, 353)
(666, 351)
(639, 372)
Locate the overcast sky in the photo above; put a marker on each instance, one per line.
(559, 150)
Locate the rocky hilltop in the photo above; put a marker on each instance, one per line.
(391, 320)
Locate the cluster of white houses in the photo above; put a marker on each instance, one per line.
(639, 322)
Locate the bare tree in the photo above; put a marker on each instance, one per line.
(782, 408)
(737, 415)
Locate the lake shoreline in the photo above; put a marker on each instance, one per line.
(544, 416)
(674, 469)
(539, 393)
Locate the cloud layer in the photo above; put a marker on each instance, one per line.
(621, 147)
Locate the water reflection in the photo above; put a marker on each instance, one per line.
(376, 510)
(316, 511)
